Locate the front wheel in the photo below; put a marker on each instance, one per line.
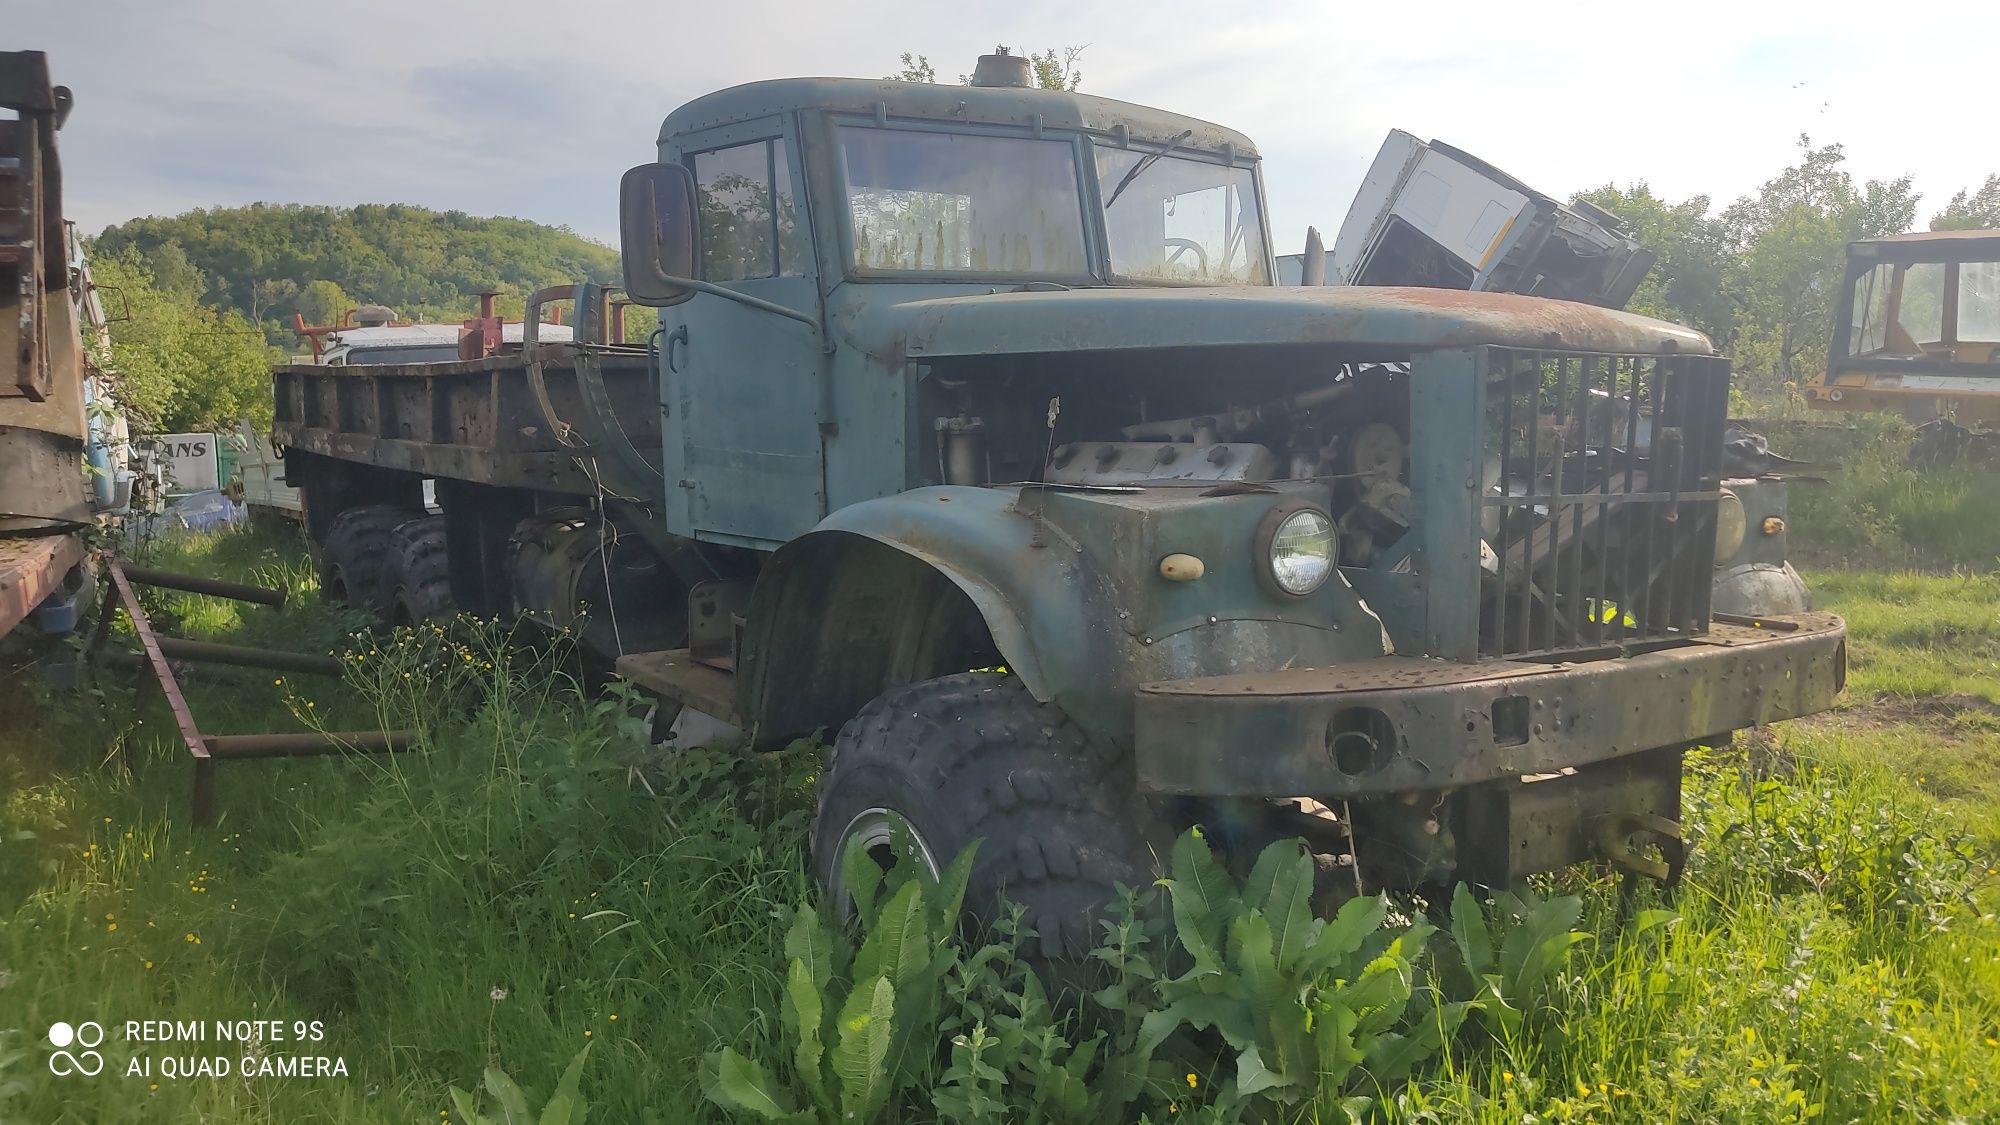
(975, 757)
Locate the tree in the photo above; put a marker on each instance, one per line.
(181, 365)
(271, 291)
(1979, 210)
(1053, 69)
(1694, 282)
(323, 302)
(425, 264)
(916, 68)
(173, 274)
(1791, 238)
(1053, 73)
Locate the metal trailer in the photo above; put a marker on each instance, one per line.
(976, 438)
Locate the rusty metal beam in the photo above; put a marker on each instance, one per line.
(207, 652)
(193, 584)
(30, 570)
(208, 749)
(233, 747)
(204, 764)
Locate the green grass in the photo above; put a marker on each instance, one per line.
(500, 896)
(1874, 509)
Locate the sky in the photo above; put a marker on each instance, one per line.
(533, 109)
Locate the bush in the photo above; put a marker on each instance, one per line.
(1222, 1003)
(1875, 508)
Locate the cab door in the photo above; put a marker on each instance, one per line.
(741, 386)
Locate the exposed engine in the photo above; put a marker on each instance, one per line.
(1352, 431)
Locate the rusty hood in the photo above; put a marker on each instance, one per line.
(1383, 320)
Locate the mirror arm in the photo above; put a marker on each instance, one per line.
(757, 303)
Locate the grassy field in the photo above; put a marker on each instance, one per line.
(534, 888)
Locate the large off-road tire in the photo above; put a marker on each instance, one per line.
(974, 757)
(419, 577)
(355, 563)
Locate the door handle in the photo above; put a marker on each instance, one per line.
(676, 348)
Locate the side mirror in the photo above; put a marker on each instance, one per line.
(656, 225)
(1312, 266)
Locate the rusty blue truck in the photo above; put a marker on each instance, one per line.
(976, 439)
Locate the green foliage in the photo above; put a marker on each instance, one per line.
(1056, 70)
(534, 870)
(1760, 278)
(1806, 833)
(1053, 69)
(858, 1019)
(1235, 1003)
(427, 265)
(183, 366)
(565, 1105)
(1694, 279)
(1976, 210)
(1877, 508)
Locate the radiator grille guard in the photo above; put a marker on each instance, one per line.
(1598, 498)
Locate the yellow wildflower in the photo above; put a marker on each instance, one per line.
(1192, 1081)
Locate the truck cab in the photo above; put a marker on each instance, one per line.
(1917, 329)
(1434, 215)
(982, 445)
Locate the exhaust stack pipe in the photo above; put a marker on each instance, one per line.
(1002, 68)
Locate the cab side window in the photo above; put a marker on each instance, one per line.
(749, 220)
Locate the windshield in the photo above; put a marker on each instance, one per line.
(961, 203)
(1979, 302)
(1180, 219)
(1899, 310)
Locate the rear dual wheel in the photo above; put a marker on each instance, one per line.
(419, 577)
(388, 560)
(354, 564)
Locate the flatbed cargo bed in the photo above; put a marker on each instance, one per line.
(477, 420)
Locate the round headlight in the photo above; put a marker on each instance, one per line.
(1298, 550)
(1730, 526)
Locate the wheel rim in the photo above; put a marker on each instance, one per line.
(875, 830)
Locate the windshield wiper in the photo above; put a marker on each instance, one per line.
(1145, 162)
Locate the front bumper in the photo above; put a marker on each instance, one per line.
(1400, 724)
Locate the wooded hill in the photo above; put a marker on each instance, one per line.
(205, 300)
(270, 260)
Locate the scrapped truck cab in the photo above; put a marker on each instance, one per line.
(986, 449)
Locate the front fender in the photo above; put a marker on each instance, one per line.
(828, 594)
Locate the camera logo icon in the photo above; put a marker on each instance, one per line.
(85, 1061)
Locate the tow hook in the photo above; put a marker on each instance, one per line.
(1620, 838)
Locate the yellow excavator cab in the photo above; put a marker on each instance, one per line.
(1917, 329)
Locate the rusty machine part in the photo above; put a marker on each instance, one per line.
(208, 749)
(32, 262)
(43, 498)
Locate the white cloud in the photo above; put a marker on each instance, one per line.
(531, 109)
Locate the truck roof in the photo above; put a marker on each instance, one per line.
(1928, 246)
(417, 335)
(989, 105)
